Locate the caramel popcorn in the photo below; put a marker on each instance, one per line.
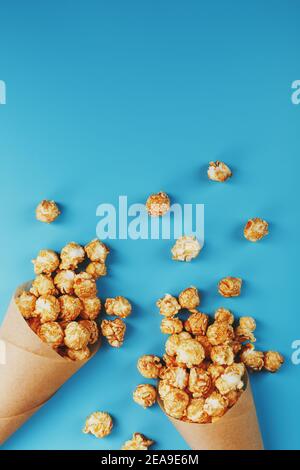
(218, 171)
(26, 304)
(79, 354)
(168, 306)
(70, 307)
(164, 388)
(190, 352)
(222, 314)
(138, 442)
(149, 366)
(91, 308)
(247, 322)
(76, 336)
(222, 355)
(158, 204)
(255, 229)
(46, 262)
(273, 361)
(114, 331)
(189, 298)
(230, 286)
(71, 256)
(215, 371)
(47, 308)
(186, 248)
(195, 411)
(97, 251)
(232, 397)
(176, 376)
(99, 424)
(173, 342)
(51, 333)
(43, 285)
(170, 326)
(64, 281)
(145, 395)
(118, 306)
(34, 323)
(200, 382)
(96, 269)
(84, 286)
(252, 358)
(219, 333)
(203, 340)
(176, 402)
(215, 405)
(231, 379)
(244, 331)
(47, 211)
(196, 323)
(92, 327)
(170, 361)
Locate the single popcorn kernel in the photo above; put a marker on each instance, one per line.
(97, 251)
(34, 324)
(114, 331)
(196, 323)
(170, 326)
(43, 285)
(222, 314)
(190, 352)
(200, 382)
(176, 376)
(169, 361)
(79, 355)
(273, 361)
(247, 322)
(243, 331)
(145, 395)
(158, 204)
(215, 371)
(189, 298)
(164, 388)
(168, 306)
(215, 405)
(219, 333)
(118, 306)
(96, 269)
(51, 333)
(252, 358)
(47, 211)
(218, 171)
(76, 336)
(230, 380)
(255, 229)
(71, 256)
(203, 340)
(84, 286)
(230, 286)
(186, 248)
(222, 355)
(99, 424)
(47, 308)
(92, 327)
(195, 411)
(173, 342)
(70, 307)
(91, 308)
(176, 402)
(46, 262)
(26, 304)
(149, 366)
(64, 281)
(138, 442)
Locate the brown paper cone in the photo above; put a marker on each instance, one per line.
(238, 429)
(32, 371)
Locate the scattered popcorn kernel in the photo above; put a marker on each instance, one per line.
(118, 306)
(190, 352)
(92, 327)
(97, 251)
(96, 269)
(47, 308)
(244, 334)
(79, 354)
(84, 286)
(158, 204)
(186, 248)
(34, 324)
(99, 424)
(189, 298)
(215, 371)
(173, 342)
(76, 336)
(51, 333)
(164, 388)
(219, 333)
(196, 323)
(255, 229)
(47, 211)
(273, 361)
(230, 286)
(176, 376)
(168, 306)
(222, 355)
(46, 262)
(203, 340)
(91, 308)
(215, 405)
(138, 442)
(70, 307)
(64, 281)
(252, 358)
(222, 314)
(248, 322)
(145, 395)
(230, 381)
(114, 331)
(43, 285)
(26, 304)
(171, 326)
(218, 171)
(71, 256)
(195, 411)
(176, 402)
(200, 382)
(149, 366)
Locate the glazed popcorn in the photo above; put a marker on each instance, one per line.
(273, 361)
(79, 354)
(114, 331)
(164, 388)
(219, 333)
(215, 405)
(46, 262)
(99, 424)
(215, 371)
(195, 411)
(186, 248)
(47, 308)
(26, 304)
(138, 442)
(145, 395)
(222, 314)
(119, 306)
(190, 352)
(51, 333)
(71, 256)
(244, 331)
(173, 342)
(43, 285)
(176, 402)
(252, 358)
(158, 204)
(149, 366)
(200, 382)
(196, 323)
(189, 298)
(230, 380)
(97, 251)
(64, 281)
(204, 341)
(93, 329)
(255, 229)
(218, 171)
(230, 286)
(175, 376)
(47, 211)
(168, 306)
(96, 269)
(70, 307)
(233, 396)
(222, 355)
(84, 285)
(170, 326)
(76, 336)
(91, 308)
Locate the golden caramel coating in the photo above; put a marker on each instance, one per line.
(46, 262)
(47, 211)
(252, 358)
(158, 204)
(186, 248)
(200, 382)
(51, 333)
(79, 354)
(99, 424)
(273, 361)
(118, 306)
(168, 306)
(96, 269)
(171, 326)
(114, 331)
(190, 352)
(164, 388)
(222, 314)
(85, 286)
(203, 340)
(149, 366)
(215, 371)
(138, 442)
(247, 322)
(43, 285)
(230, 286)
(218, 171)
(47, 308)
(34, 323)
(91, 308)
(195, 411)
(244, 334)
(255, 229)
(64, 281)
(92, 327)
(219, 333)
(97, 251)
(71, 256)
(176, 402)
(215, 405)
(26, 304)
(189, 298)
(176, 376)
(232, 397)
(70, 307)
(145, 395)
(76, 336)
(222, 355)
(173, 342)
(230, 380)
(169, 361)
(196, 323)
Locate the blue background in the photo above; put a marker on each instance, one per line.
(106, 98)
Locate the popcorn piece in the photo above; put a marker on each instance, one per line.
(47, 307)
(190, 352)
(92, 327)
(231, 380)
(195, 411)
(230, 286)
(145, 395)
(189, 298)
(219, 333)
(248, 322)
(96, 269)
(91, 308)
(99, 424)
(43, 285)
(170, 326)
(118, 306)
(203, 340)
(164, 388)
(76, 336)
(26, 304)
(222, 314)
(47, 211)
(243, 332)
(84, 286)
(173, 342)
(252, 358)
(34, 324)
(64, 281)
(196, 323)
(186, 248)
(215, 405)
(273, 361)
(149, 366)
(232, 397)
(222, 355)
(170, 361)
(51, 333)
(158, 204)
(200, 382)
(114, 331)
(70, 307)
(218, 171)
(176, 376)
(255, 229)
(97, 251)
(46, 262)
(176, 402)
(168, 306)
(138, 442)
(71, 255)
(79, 355)
(215, 371)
